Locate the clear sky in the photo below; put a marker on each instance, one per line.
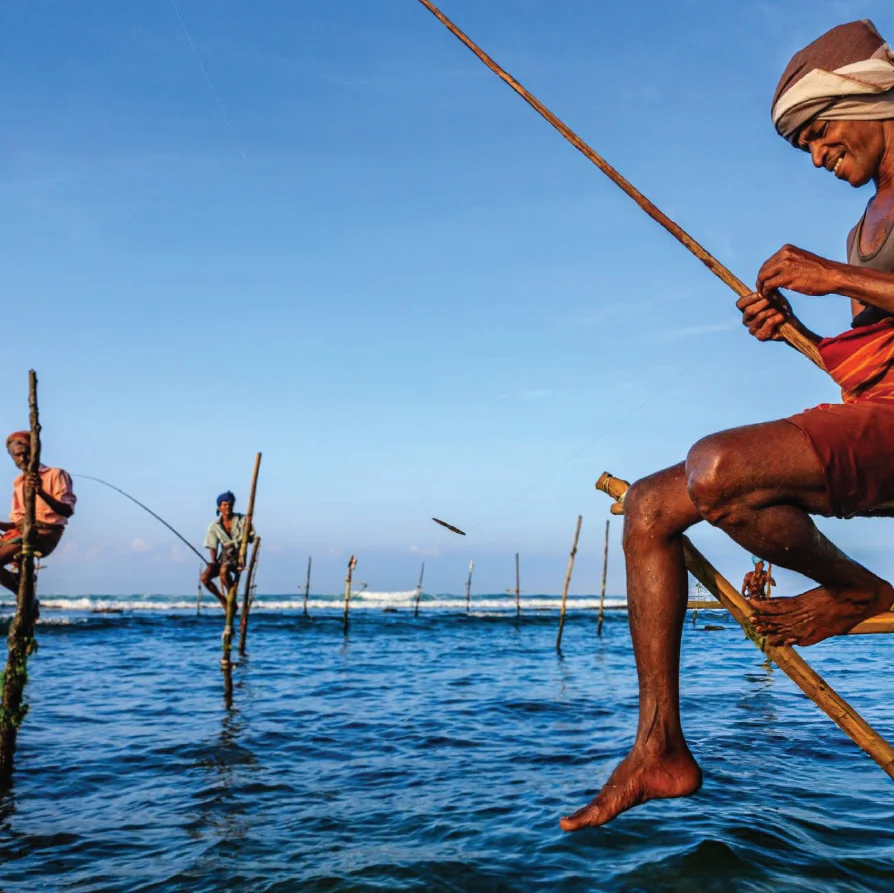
(325, 231)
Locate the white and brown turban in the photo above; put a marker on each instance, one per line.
(847, 74)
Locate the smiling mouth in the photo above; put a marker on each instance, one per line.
(838, 163)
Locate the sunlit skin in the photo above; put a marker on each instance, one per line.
(226, 576)
(759, 484)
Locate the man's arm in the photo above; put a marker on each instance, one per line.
(6, 525)
(62, 499)
(809, 274)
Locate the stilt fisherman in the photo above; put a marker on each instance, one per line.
(222, 541)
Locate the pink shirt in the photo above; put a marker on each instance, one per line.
(57, 483)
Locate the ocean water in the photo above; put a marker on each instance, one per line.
(427, 754)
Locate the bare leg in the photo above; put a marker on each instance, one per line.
(656, 512)
(761, 498)
(211, 586)
(8, 579)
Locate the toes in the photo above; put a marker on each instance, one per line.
(586, 817)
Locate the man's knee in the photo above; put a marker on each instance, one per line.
(715, 479)
(648, 512)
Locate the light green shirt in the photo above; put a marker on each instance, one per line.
(218, 536)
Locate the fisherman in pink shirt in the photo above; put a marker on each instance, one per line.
(53, 507)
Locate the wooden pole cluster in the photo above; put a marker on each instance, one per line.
(580, 519)
(307, 586)
(352, 563)
(21, 642)
(600, 619)
(419, 591)
(248, 594)
(792, 333)
(785, 657)
(233, 591)
(469, 587)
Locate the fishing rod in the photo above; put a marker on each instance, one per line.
(146, 508)
(790, 331)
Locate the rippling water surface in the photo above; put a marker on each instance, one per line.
(430, 754)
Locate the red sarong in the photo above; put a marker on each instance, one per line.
(854, 440)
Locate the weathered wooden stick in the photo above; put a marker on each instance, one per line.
(351, 565)
(247, 594)
(199, 595)
(469, 587)
(307, 585)
(21, 629)
(233, 591)
(785, 657)
(790, 331)
(580, 519)
(601, 616)
(517, 589)
(419, 590)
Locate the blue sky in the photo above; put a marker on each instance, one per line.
(353, 248)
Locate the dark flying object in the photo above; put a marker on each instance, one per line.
(449, 526)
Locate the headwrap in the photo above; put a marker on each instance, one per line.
(226, 497)
(24, 436)
(845, 75)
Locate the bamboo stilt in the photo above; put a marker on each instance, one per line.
(419, 590)
(307, 585)
(199, 595)
(601, 617)
(792, 332)
(233, 591)
(580, 519)
(469, 587)
(785, 657)
(20, 639)
(351, 565)
(517, 589)
(247, 593)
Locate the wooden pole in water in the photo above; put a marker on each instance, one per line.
(469, 587)
(199, 595)
(351, 565)
(233, 592)
(792, 332)
(580, 519)
(785, 657)
(517, 589)
(21, 630)
(419, 590)
(247, 593)
(601, 616)
(307, 585)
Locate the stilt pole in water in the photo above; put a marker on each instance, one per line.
(233, 592)
(601, 617)
(567, 583)
(791, 332)
(307, 586)
(351, 565)
(419, 590)
(247, 593)
(469, 586)
(21, 629)
(517, 589)
(199, 595)
(785, 657)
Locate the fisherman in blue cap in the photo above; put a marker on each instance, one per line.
(222, 541)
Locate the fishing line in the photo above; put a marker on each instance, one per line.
(146, 508)
(208, 80)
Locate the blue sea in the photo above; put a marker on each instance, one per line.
(424, 754)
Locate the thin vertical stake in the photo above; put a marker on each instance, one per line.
(604, 578)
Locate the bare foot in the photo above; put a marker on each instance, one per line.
(637, 779)
(818, 613)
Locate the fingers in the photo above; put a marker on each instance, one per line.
(760, 316)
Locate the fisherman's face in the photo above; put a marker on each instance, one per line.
(852, 150)
(20, 453)
(225, 509)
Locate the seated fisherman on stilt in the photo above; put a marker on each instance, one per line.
(223, 539)
(53, 506)
(761, 483)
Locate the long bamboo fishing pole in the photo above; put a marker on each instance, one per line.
(784, 656)
(21, 629)
(567, 583)
(791, 332)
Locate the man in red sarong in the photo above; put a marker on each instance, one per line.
(761, 483)
(53, 506)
